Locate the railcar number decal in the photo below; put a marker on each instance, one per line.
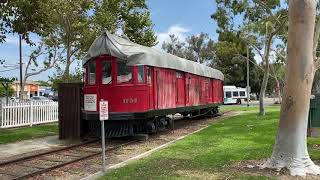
(130, 100)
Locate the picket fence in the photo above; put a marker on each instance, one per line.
(28, 114)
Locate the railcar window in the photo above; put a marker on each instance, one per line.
(228, 94)
(179, 74)
(140, 74)
(106, 72)
(148, 75)
(92, 72)
(242, 93)
(124, 73)
(235, 93)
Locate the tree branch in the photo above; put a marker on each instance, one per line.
(254, 64)
(316, 40)
(49, 66)
(265, 6)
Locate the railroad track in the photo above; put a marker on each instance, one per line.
(53, 159)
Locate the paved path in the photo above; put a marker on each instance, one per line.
(26, 146)
(267, 102)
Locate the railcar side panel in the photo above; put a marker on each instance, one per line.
(204, 93)
(165, 88)
(217, 91)
(180, 89)
(194, 88)
(210, 99)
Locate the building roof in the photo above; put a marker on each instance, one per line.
(27, 82)
(136, 54)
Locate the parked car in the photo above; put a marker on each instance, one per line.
(55, 98)
(40, 98)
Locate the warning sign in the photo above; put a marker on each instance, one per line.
(104, 113)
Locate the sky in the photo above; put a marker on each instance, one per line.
(179, 17)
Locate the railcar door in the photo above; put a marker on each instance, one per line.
(90, 90)
(180, 88)
(150, 87)
(106, 79)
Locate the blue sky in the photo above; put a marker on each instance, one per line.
(179, 17)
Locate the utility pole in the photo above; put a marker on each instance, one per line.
(248, 90)
(20, 52)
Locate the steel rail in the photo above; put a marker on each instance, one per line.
(46, 153)
(41, 171)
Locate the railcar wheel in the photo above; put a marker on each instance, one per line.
(162, 123)
(169, 122)
(238, 101)
(151, 127)
(185, 114)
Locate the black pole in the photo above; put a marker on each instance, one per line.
(248, 85)
(20, 51)
(7, 93)
(6, 89)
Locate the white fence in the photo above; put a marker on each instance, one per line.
(27, 114)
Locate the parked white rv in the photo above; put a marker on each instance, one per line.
(234, 95)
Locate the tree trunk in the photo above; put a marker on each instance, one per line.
(266, 71)
(278, 91)
(23, 93)
(290, 149)
(263, 88)
(68, 63)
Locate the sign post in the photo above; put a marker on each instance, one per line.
(104, 115)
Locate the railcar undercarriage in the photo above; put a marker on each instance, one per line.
(132, 127)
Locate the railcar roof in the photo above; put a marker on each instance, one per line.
(136, 54)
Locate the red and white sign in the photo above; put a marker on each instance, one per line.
(104, 112)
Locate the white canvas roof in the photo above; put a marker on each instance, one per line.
(136, 54)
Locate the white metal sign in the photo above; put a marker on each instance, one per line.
(90, 102)
(104, 113)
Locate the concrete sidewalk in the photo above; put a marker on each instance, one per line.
(26, 146)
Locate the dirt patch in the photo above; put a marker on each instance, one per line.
(251, 167)
(189, 174)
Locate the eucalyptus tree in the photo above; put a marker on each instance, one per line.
(263, 20)
(200, 48)
(290, 149)
(174, 46)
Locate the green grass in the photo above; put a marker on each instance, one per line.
(248, 109)
(19, 134)
(209, 153)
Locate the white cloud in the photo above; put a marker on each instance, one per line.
(12, 40)
(178, 30)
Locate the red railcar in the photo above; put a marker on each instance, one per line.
(143, 85)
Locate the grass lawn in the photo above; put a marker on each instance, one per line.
(24, 133)
(210, 153)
